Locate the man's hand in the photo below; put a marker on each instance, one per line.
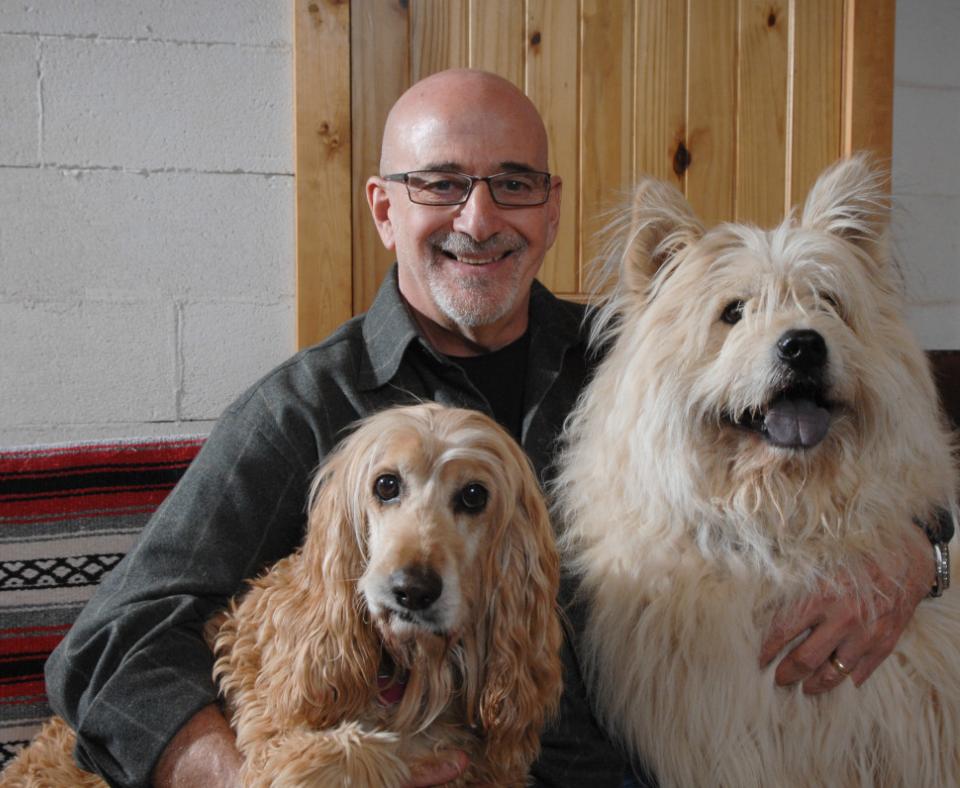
(857, 633)
(448, 766)
(204, 752)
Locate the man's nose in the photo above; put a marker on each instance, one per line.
(479, 217)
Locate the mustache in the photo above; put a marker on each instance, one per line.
(460, 244)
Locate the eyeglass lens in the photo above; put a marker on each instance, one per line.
(450, 188)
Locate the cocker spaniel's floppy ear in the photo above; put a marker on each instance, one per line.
(328, 647)
(522, 671)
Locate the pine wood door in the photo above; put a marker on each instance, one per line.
(739, 102)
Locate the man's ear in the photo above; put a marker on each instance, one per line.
(379, 202)
(553, 209)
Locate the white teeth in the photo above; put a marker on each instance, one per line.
(484, 261)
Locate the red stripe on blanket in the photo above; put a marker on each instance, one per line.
(34, 460)
(13, 647)
(19, 694)
(98, 503)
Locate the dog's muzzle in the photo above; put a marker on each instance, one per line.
(798, 416)
(415, 588)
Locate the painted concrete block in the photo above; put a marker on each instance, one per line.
(926, 235)
(926, 42)
(926, 126)
(87, 362)
(937, 326)
(226, 347)
(19, 107)
(64, 433)
(102, 234)
(156, 106)
(260, 22)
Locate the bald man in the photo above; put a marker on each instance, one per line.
(465, 201)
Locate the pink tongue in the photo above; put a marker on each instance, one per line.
(796, 423)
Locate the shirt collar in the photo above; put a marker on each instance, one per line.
(389, 329)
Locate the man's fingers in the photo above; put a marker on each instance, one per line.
(808, 656)
(787, 626)
(446, 767)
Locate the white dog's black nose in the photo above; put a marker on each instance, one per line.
(416, 588)
(802, 349)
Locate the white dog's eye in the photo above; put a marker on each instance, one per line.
(472, 498)
(386, 487)
(732, 312)
(829, 299)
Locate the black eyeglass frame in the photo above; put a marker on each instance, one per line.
(404, 178)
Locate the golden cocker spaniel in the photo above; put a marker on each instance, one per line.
(418, 615)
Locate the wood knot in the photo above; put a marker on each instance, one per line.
(535, 39)
(329, 137)
(772, 20)
(681, 159)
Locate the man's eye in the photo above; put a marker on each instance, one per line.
(387, 487)
(515, 185)
(439, 186)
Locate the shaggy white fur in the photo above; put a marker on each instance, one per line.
(715, 471)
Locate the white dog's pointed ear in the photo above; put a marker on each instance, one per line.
(661, 224)
(850, 200)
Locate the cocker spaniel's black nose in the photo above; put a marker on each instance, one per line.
(416, 587)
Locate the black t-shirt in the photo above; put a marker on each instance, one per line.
(500, 376)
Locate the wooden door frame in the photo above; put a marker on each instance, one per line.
(322, 123)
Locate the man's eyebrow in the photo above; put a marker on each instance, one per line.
(505, 166)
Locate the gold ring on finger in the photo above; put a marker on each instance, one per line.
(842, 669)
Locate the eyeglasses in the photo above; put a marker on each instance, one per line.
(509, 189)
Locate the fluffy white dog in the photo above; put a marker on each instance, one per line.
(763, 423)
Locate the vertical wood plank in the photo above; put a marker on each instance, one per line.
(711, 107)
(322, 150)
(660, 107)
(868, 76)
(817, 88)
(381, 63)
(762, 112)
(551, 82)
(606, 116)
(439, 36)
(497, 41)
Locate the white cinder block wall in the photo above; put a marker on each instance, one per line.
(146, 193)
(926, 165)
(146, 212)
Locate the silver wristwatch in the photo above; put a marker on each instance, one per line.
(940, 533)
(941, 556)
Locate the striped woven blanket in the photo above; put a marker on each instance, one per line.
(68, 514)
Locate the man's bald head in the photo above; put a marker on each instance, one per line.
(460, 102)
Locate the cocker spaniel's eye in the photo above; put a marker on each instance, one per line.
(732, 312)
(472, 498)
(387, 487)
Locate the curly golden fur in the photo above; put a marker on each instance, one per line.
(762, 424)
(428, 554)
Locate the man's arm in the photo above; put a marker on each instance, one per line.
(859, 633)
(134, 667)
(204, 752)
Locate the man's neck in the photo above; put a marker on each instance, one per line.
(456, 340)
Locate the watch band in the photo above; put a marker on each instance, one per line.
(941, 557)
(940, 531)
